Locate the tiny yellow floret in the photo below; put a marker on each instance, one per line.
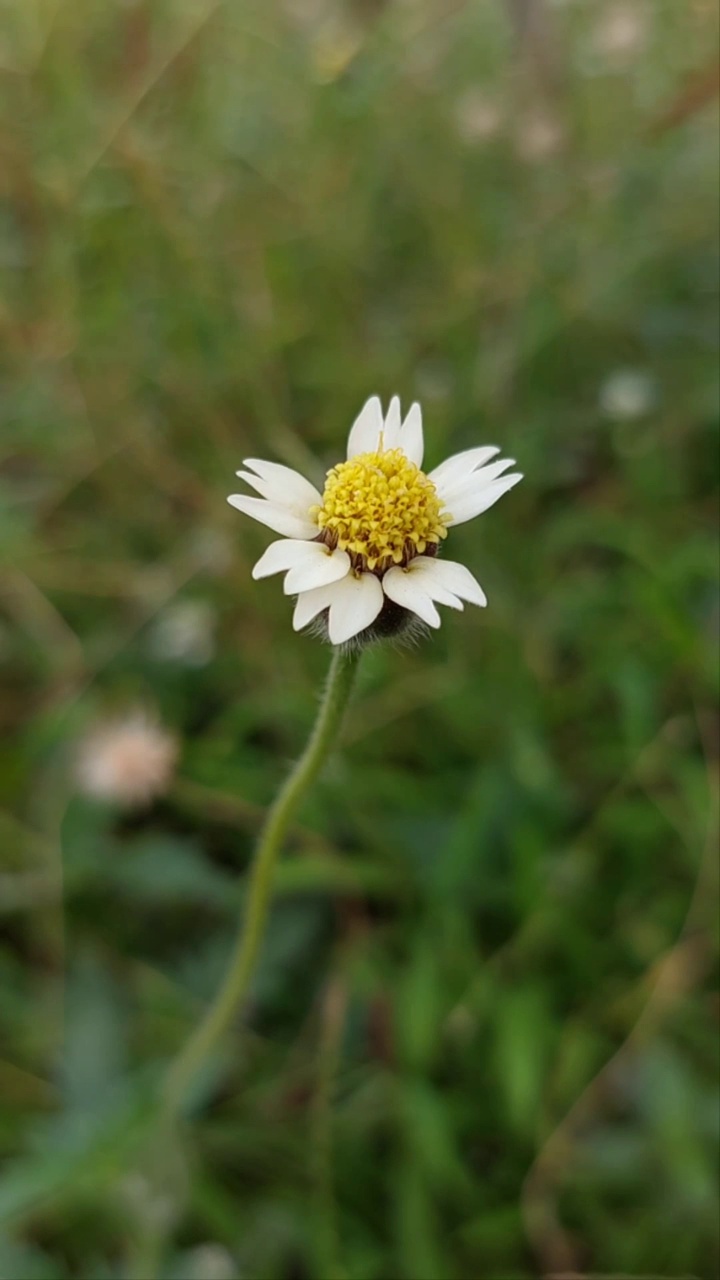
(382, 509)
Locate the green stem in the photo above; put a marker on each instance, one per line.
(223, 1009)
(327, 1243)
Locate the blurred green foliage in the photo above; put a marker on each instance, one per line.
(483, 1036)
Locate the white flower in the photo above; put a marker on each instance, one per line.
(370, 542)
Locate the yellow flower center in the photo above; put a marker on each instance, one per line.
(382, 509)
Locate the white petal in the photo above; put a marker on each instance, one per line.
(448, 576)
(411, 435)
(278, 518)
(310, 604)
(281, 484)
(449, 491)
(407, 590)
(462, 464)
(281, 556)
(304, 560)
(391, 426)
(473, 504)
(365, 431)
(446, 597)
(275, 491)
(355, 604)
(439, 594)
(477, 480)
(317, 570)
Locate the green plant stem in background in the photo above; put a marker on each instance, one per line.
(224, 1007)
(333, 1018)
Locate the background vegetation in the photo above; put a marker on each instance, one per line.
(483, 1036)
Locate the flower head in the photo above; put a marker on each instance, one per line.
(364, 554)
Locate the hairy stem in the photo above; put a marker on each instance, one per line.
(223, 1010)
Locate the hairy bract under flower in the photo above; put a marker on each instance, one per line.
(364, 554)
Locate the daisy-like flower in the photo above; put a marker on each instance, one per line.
(364, 555)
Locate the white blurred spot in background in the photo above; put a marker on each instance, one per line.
(129, 760)
(212, 550)
(539, 137)
(628, 394)
(621, 33)
(184, 633)
(477, 117)
(210, 1262)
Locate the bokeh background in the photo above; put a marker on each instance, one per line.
(483, 1034)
